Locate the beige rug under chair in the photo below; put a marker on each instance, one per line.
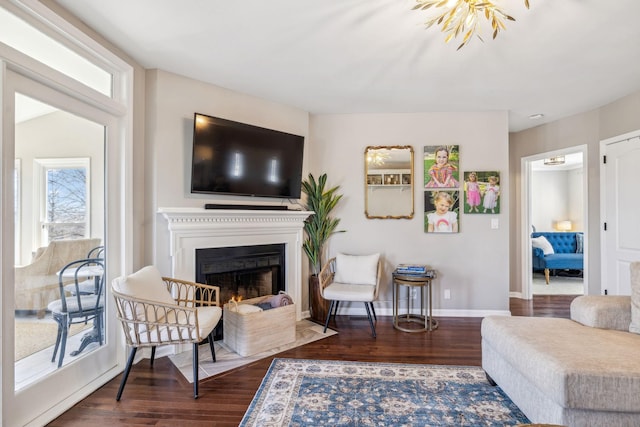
(226, 359)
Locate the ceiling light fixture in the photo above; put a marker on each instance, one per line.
(461, 17)
(555, 160)
(536, 116)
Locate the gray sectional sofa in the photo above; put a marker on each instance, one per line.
(583, 371)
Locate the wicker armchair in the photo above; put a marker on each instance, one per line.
(351, 278)
(157, 310)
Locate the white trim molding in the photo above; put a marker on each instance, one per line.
(198, 228)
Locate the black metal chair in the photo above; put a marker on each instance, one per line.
(97, 252)
(78, 307)
(89, 285)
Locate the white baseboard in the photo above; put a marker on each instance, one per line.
(388, 311)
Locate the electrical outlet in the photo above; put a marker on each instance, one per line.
(447, 294)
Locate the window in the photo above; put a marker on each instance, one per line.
(21, 36)
(63, 199)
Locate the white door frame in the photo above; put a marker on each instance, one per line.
(50, 400)
(88, 372)
(525, 206)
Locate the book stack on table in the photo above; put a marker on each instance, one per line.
(415, 269)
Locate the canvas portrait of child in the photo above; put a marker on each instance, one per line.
(441, 163)
(481, 192)
(441, 212)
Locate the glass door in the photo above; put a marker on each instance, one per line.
(62, 339)
(61, 220)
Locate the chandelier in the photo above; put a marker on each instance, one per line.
(462, 17)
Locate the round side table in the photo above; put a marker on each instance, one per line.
(425, 311)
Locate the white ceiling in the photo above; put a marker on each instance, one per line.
(356, 56)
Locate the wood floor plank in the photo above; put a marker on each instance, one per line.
(160, 396)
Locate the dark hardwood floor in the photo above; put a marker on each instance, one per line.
(160, 396)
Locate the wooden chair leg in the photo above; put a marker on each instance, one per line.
(326, 323)
(546, 275)
(153, 355)
(195, 370)
(127, 369)
(373, 328)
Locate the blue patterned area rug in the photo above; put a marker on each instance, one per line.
(298, 392)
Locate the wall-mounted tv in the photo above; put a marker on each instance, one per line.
(241, 159)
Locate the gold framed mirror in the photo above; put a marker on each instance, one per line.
(388, 182)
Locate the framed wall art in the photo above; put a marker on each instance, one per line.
(441, 163)
(481, 192)
(441, 211)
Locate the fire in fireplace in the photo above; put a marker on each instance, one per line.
(247, 271)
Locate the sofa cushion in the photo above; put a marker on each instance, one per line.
(602, 311)
(635, 297)
(146, 284)
(563, 242)
(542, 243)
(574, 365)
(562, 261)
(357, 269)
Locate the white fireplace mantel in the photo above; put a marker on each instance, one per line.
(199, 228)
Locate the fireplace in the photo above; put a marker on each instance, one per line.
(192, 229)
(245, 271)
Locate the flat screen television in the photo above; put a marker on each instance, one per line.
(242, 159)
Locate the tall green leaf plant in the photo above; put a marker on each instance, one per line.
(321, 225)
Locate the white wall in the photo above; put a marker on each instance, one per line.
(335, 144)
(556, 196)
(171, 102)
(472, 264)
(549, 196)
(575, 199)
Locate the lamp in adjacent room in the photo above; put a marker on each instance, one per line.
(564, 225)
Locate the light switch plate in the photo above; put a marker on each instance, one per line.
(495, 223)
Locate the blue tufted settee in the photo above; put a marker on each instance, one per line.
(567, 252)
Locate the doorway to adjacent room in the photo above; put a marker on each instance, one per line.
(554, 201)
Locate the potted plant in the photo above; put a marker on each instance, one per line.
(318, 228)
